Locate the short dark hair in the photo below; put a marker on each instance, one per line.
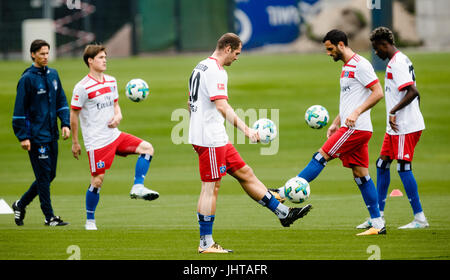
(229, 39)
(91, 51)
(335, 36)
(37, 45)
(382, 33)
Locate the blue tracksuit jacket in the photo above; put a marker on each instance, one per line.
(40, 100)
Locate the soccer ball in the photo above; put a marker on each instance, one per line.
(137, 90)
(267, 130)
(297, 189)
(317, 116)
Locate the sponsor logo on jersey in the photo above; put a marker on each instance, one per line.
(108, 103)
(346, 88)
(41, 91)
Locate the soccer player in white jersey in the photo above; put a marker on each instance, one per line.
(404, 124)
(349, 134)
(95, 103)
(209, 108)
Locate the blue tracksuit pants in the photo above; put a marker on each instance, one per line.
(43, 158)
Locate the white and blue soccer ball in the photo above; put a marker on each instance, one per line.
(317, 116)
(297, 190)
(267, 130)
(137, 90)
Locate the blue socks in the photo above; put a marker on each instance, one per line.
(410, 185)
(206, 224)
(92, 198)
(383, 181)
(314, 167)
(142, 166)
(369, 194)
(269, 201)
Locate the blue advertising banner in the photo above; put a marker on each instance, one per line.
(263, 22)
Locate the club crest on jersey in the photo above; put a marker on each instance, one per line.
(100, 164)
(42, 154)
(348, 74)
(223, 169)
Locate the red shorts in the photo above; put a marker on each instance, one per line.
(400, 147)
(351, 146)
(215, 162)
(101, 159)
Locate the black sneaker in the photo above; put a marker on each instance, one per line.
(55, 221)
(295, 214)
(19, 214)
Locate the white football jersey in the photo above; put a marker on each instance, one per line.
(207, 83)
(357, 77)
(400, 74)
(96, 101)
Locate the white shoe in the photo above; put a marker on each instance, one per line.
(139, 191)
(415, 224)
(90, 225)
(368, 224)
(365, 225)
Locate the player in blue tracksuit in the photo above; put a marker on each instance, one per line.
(40, 100)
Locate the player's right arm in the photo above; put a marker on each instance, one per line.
(20, 122)
(78, 98)
(76, 148)
(228, 113)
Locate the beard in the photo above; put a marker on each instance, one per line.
(338, 56)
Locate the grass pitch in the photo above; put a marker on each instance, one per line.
(166, 229)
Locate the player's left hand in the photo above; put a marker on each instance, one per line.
(332, 129)
(65, 132)
(253, 135)
(351, 119)
(392, 122)
(114, 122)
